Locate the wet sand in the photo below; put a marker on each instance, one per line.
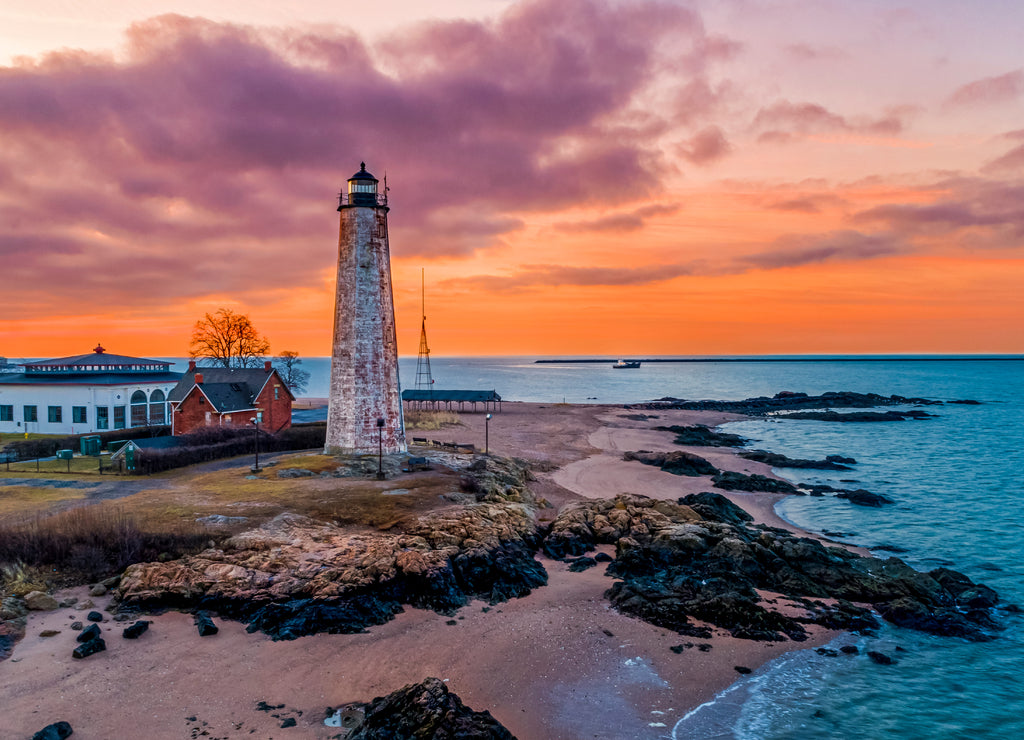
(559, 663)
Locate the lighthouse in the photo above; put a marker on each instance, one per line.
(365, 406)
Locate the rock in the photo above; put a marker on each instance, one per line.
(49, 633)
(676, 463)
(733, 481)
(880, 658)
(827, 652)
(135, 630)
(742, 670)
(849, 650)
(288, 722)
(56, 731)
(864, 498)
(794, 400)
(603, 557)
(716, 508)
(93, 646)
(94, 616)
(39, 601)
(83, 605)
(219, 520)
(12, 607)
(840, 460)
(858, 416)
(68, 602)
(781, 461)
(294, 473)
(426, 709)
(702, 436)
(581, 564)
(76, 626)
(89, 633)
(111, 582)
(98, 590)
(205, 625)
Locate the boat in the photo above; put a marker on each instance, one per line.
(624, 364)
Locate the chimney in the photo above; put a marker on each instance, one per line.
(267, 366)
(191, 366)
(199, 378)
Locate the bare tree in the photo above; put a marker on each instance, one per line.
(287, 364)
(228, 339)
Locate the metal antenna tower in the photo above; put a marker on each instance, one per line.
(424, 380)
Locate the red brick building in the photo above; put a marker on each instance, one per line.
(216, 396)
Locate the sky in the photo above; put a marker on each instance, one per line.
(573, 177)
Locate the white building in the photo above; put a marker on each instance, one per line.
(86, 393)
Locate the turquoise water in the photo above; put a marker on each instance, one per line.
(957, 485)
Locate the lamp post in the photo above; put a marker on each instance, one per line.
(380, 449)
(487, 434)
(256, 440)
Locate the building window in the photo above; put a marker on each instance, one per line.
(6, 413)
(138, 406)
(119, 417)
(157, 408)
(53, 414)
(31, 413)
(102, 417)
(277, 393)
(79, 415)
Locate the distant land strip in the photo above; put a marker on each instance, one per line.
(894, 358)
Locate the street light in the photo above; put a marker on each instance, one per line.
(380, 449)
(487, 434)
(256, 439)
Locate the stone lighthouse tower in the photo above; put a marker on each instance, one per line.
(365, 407)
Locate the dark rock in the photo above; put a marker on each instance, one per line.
(262, 706)
(678, 649)
(742, 670)
(89, 633)
(425, 710)
(880, 658)
(840, 460)
(827, 652)
(676, 463)
(857, 416)
(782, 461)
(849, 650)
(581, 564)
(76, 626)
(135, 630)
(288, 722)
(764, 405)
(967, 402)
(603, 557)
(702, 436)
(733, 481)
(56, 731)
(205, 625)
(95, 645)
(864, 498)
(94, 617)
(716, 508)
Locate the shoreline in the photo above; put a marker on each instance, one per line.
(557, 663)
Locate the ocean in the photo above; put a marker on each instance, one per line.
(957, 486)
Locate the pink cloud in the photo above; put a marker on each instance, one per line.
(989, 90)
(783, 120)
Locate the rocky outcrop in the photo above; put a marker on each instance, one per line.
(832, 462)
(858, 416)
(676, 463)
(424, 710)
(864, 498)
(787, 401)
(701, 559)
(702, 436)
(730, 480)
(295, 576)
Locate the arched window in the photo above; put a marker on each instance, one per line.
(157, 407)
(139, 409)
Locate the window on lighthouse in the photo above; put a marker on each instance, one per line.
(362, 186)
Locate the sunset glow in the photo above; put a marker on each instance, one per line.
(575, 176)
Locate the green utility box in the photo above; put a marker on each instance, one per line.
(65, 454)
(90, 445)
(129, 458)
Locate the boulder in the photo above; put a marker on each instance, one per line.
(205, 625)
(94, 616)
(676, 463)
(864, 498)
(40, 602)
(733, 481)
(89, 633)
(56, 731)
(93, 646)
(98, 590)
(135, 630)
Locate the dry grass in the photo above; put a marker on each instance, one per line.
(16, 500)
(6, 437)
(430, 420)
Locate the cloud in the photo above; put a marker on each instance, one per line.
(989, 90)
(803, 249)
(619, 222)
(546, 276)
(806, 203)
(207, 157)
(705, 147)
(784, 120)
(813, 53)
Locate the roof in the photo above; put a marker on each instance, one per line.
(97, 361)
(363, 174)
(442, 395)
(146, 443)
(107, 378)
(228, 389)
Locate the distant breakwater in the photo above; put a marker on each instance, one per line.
(889, 358)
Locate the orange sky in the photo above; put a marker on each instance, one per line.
(575, 176)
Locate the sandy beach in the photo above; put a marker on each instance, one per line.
(559, 663)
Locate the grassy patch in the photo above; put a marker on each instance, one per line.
(6, 437)
(25, 499)
(428, 420)
(82, 465)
